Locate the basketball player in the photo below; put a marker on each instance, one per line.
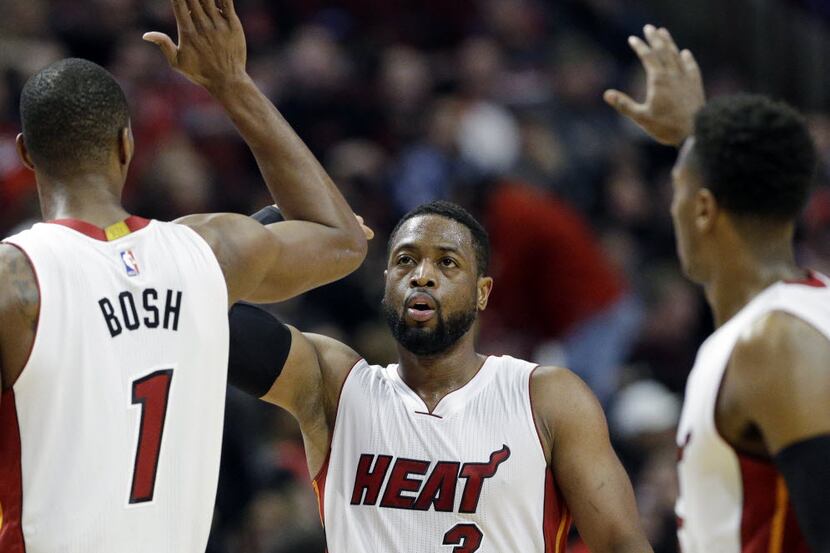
(754, 435)
(113, 328)
(447, 450)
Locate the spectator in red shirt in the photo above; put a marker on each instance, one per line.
(554, 283)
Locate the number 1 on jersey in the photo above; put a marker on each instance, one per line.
(151, 393)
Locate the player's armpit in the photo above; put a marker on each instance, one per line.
(806, 469)
(276, 262)
(596, 488)
(779, 381)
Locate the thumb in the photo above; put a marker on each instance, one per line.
(622, 103)
(168, 48)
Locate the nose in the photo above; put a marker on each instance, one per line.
(423, 275)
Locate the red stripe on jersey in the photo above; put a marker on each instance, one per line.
(810, 280)
(11, 478)
(557, 519)
(319, 485)
(768, 523)
(133, 223)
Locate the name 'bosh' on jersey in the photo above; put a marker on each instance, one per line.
(150, 307)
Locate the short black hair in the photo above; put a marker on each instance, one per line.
(449, 210)
(72, 112)
(756, 156)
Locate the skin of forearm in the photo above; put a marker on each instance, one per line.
(631, 544)
(298, 183)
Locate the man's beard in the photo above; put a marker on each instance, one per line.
(424, 341)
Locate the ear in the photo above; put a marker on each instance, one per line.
(484, 287)
(126, 145)
(23, 152)
(706, 210)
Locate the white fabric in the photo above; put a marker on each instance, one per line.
(711, 489)
(79, 425)
(379, 414)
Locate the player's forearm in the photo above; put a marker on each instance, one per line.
(633, 544)
(298, 183)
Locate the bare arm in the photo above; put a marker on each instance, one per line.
(779, 381)
(594, 483)
(212, 53)
(19, 309)
(309, 388)
(674, 89)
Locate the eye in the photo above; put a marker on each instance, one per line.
(448, 262)
(404, 260)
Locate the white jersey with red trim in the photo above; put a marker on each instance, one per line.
(730, 502)
(468, 477)
(110, 438)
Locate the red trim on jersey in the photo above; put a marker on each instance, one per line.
(133, 223)
(768, 523)
(557, 518)
(810, 280)
(11, 478)
(39, 307)
(319, 481)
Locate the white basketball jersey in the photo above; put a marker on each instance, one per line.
(730, 502)
(110, 439)
(468, 477)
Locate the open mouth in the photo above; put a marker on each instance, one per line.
(420, 307)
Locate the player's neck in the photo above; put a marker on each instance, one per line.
(434, 377)
(92, 198)
(744, 274)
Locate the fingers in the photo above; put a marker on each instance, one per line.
(690, 65)
(227, 9)
(211, 11)
(197, 14)
(183, 19)
(367, 232)
(663, 46)
(165, 43)
(623, 104)
(645, 53)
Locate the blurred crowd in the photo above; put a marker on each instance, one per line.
(493, 103)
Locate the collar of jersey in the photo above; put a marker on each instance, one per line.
(451, 402)
(112, 232)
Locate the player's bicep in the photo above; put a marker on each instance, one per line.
(594, 483)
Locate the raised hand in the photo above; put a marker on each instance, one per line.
(674, 89)
(211, 50)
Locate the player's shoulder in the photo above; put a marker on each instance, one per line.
(563, 404)
(18, 276)
(559, 386)
(776, 339)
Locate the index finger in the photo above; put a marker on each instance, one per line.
(183, 19)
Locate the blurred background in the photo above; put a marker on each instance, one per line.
(493, 103)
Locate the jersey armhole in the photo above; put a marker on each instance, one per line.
(532, 415)
(318, 483)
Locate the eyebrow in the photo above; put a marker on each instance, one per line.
(414, 246)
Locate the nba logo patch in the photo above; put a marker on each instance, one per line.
(130, 264)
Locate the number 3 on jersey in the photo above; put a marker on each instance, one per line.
(467, 537)
(151, 393)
